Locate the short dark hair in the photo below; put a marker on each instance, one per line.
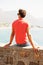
(22, 13)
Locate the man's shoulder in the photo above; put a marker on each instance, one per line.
(25, 22)
(15, 21)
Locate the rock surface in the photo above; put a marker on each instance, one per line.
(20, 56)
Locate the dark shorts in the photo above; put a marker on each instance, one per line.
(22, 45)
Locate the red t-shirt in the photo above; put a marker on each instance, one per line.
(20, 28)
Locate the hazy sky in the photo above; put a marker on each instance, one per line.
(35, 7)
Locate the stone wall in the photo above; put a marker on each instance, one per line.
(20, 56)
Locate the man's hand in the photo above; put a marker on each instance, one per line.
(6, 46)
(36, 54)
(35, 50)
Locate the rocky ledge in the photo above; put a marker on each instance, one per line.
(20, 56)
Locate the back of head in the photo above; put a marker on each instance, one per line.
(22, 13)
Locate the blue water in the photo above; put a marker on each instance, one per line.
(37, 35)
(5, 35)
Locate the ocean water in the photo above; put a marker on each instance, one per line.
(37, 35)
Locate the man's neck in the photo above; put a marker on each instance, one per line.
(20, 18)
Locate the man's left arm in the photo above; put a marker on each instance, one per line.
(11, 38)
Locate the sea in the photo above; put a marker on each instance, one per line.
(5, 32)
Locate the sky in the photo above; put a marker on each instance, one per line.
(34, 7)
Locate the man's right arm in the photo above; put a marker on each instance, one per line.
(31, 40)
(29, 37)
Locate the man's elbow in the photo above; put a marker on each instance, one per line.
(12, 34)
(29, 35)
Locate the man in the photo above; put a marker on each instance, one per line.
(20, 29)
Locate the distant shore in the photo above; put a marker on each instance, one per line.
(6, 25)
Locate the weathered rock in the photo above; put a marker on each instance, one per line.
(20, 56)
